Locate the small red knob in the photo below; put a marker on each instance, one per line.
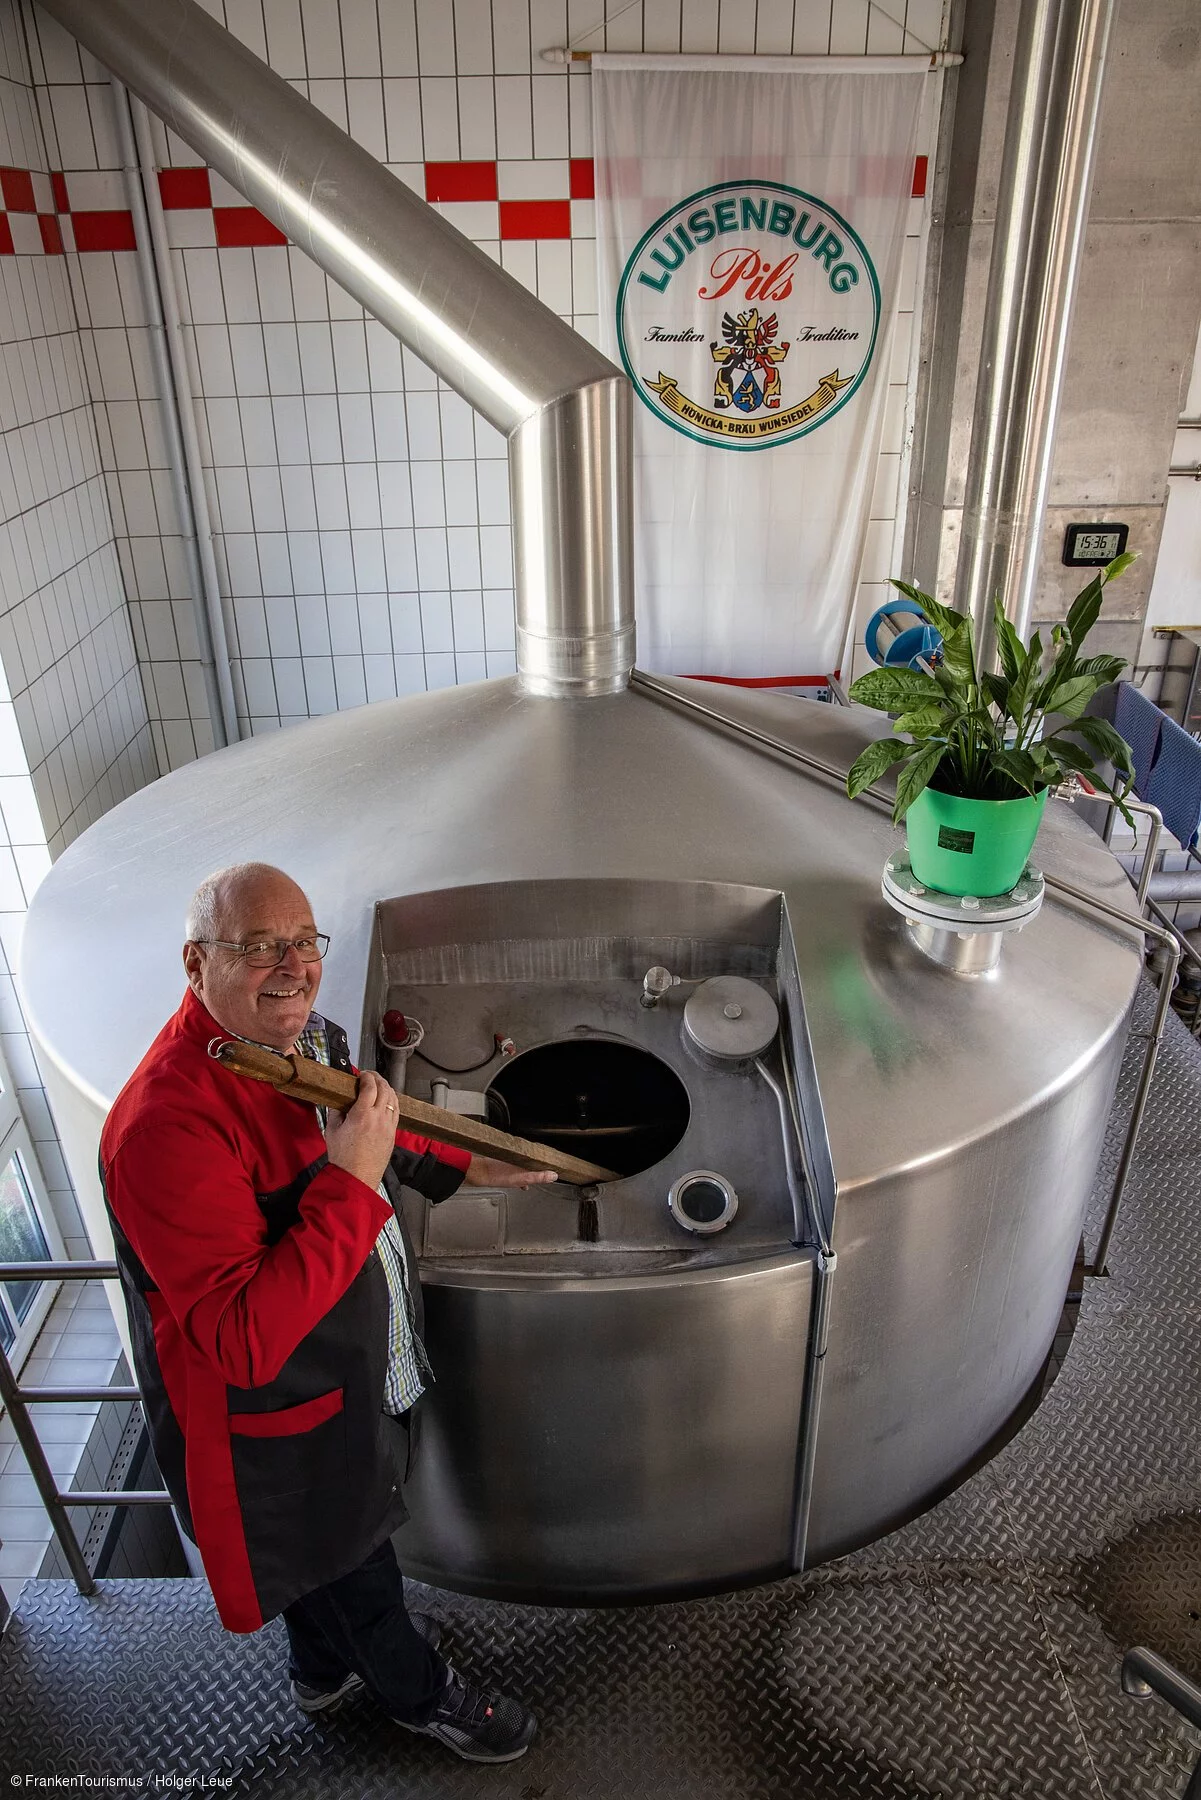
(394, 1027)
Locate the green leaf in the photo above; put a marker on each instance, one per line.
(1068, 755)
(1021, 767)
(873, 762)
(1101, 736)
(914, 777)
(1021, 691)
(1086, 607)
(1084, 610)
(948, 621)
(1105, 668)
(895, 690)
(1071, 697)
(1009, 644)
(997, 689)
(924, 721)
(958, 656)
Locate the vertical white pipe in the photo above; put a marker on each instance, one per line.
(1042, 215)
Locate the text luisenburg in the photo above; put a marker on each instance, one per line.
(765, 280)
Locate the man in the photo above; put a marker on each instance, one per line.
(274, 1322)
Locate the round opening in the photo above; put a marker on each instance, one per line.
(702, 1202)
(608, 1102)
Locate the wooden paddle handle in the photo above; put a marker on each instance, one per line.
(302, 1079)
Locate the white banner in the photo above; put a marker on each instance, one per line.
(750, 227)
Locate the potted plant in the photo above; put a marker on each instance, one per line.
(977, 753)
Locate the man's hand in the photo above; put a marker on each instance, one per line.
(362, 1140)
(489, 1171)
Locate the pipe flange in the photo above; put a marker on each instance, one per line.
(969, 915)
(702, 1201)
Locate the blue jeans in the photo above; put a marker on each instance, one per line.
(360, 1623)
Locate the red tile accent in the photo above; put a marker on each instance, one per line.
(7, 247)
(17, 187)
(535, 219)
(765, 681)
(52, 237)
(460, 181)
(583, 178)
(182, 188)
(58, 182)
(241, 226)
(920, 165)
(104, 231)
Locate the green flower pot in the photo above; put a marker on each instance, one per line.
(959, 846)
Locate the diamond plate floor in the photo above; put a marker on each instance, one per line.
(971, 1656)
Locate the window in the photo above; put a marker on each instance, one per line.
(28, 1232)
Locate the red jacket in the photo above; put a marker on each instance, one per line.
(259, 1313)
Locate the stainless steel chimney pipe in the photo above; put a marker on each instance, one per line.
(563, 406)
(1042, 213)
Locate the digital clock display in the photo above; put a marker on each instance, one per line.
(1092, 546)
(1098, 543)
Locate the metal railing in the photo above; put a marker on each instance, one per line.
(17, 1401)
(1143, 1674)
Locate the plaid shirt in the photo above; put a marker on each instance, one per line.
(407, 1360)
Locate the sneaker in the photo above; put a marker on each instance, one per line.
(318, 1700)
(477, 1726)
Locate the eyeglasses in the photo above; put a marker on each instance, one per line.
(270, 952)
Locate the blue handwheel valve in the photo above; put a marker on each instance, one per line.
(920, 642)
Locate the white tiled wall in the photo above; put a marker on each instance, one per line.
(74, 736)
(360, 512)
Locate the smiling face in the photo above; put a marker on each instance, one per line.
(269, 1006)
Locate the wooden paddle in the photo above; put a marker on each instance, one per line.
(302, 1079)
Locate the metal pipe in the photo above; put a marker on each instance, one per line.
(57, 1271)
(44, 1478)
(1042, 214)
(564, 407)
(1145, 1673)
(823, 1275)
(658, 690)
(176, 405)
(34, 1396)
(1175, 887)
(122, 1497)
(1153, 836)
(795, 1192)
(1167, 982)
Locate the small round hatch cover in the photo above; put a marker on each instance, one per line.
(731, 1017)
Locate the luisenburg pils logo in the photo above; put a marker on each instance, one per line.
(748, 315)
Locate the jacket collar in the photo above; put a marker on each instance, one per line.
(195, 1021)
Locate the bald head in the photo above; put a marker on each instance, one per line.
(224, 892)
(252, 903)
